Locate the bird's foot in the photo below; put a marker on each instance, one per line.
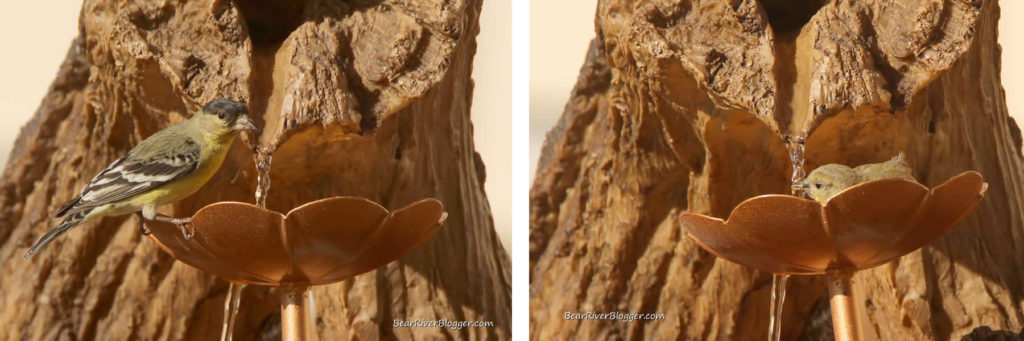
(142, 224)
(184, 224)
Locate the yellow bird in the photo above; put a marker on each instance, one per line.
(166, 167)
(826, 181)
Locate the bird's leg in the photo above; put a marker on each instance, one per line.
(142, 224)
(183, 224)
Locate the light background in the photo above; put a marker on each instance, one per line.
(561, 30)
(36, 36)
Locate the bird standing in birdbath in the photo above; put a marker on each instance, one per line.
(856, 228)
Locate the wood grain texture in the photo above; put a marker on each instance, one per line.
(363, 98)
(685, 106)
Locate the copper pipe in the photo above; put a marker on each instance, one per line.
(844, 315)
(294, 313)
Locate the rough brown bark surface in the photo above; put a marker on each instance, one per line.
(685, 105)
(364, 98)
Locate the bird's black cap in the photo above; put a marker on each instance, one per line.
(225, 106)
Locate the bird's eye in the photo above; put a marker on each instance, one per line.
(220, 116)
(817, 184)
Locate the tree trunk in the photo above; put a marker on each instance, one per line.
(686, 106)
(363, 98)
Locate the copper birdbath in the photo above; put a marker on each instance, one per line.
(863, 226)
(320, 242)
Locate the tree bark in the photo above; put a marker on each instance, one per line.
(686, 106)
(363, 98)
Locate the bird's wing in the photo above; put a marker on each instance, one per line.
(133, 174)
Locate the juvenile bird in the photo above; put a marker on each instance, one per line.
(166, 167)
(826, 181)
(894, 168)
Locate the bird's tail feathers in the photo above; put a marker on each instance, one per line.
(67, 207)
(900, 158)
(69, 222)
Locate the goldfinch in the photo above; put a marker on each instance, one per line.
(166, 167)
(826, 181)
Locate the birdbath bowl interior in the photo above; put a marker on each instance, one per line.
(862, 227)
(320, 242)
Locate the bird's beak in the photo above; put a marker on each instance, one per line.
(804, 184)
(244, 123)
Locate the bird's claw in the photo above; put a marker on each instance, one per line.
(142, 226)
(185, 225)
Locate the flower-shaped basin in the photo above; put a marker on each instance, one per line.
(321, 242)
(863, 226)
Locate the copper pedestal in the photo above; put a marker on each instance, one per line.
(321, 242)
(863, 226)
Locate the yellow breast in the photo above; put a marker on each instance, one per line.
(210, 161)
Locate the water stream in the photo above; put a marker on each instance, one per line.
(796, 158)
(263, 158)
(231, 302)
(778, 300)
(795, 145)
(231, 310)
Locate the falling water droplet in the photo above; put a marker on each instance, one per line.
(231, 310)
(263, 158)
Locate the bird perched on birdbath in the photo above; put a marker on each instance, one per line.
(826, 181)
(166, 167)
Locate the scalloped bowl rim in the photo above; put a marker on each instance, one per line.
(749, 201)
(260, 280)
(742, 206)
